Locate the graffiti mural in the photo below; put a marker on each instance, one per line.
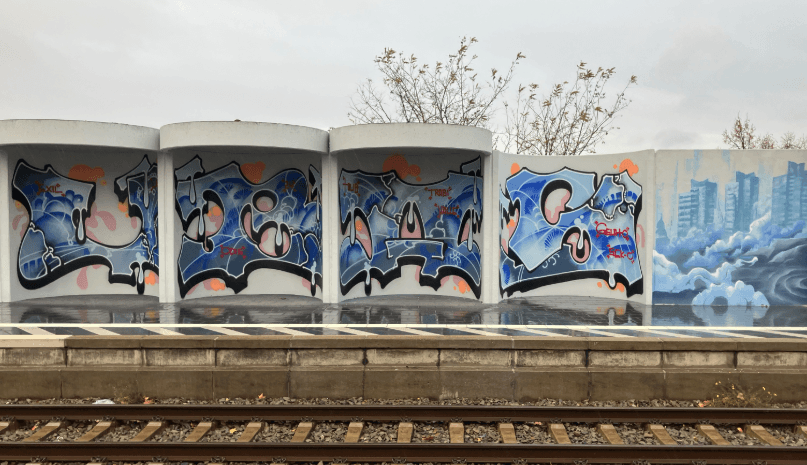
(390, 223)
(60, 209)
(731, 228)
(568, 225)
(243, 225)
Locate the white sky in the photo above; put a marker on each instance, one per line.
(157, 62)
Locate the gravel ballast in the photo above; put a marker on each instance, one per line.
(431, 431)
(532, 433)
(416, 401)
(379, 432)
(634, 433)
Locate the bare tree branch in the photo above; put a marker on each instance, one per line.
(742, 137)
(573, 119)
(448, 93)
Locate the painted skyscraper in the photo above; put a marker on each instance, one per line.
(696, 208)
(741, 196)
(789, 196)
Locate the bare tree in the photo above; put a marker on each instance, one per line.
(742, 137)
(789, 142)
(767, 142)
(573, 119)
(450, 92)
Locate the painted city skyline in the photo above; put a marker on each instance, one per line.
(730, 228)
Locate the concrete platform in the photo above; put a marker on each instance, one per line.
(284, 346)
(511, 367)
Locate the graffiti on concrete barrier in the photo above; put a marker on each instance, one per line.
(564, 226)
(60, 209)
(243, 225)
(390, 223)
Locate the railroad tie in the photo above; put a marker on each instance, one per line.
(100, 429)
(152, 428)
(712, 435)
(508, 433)
(558, 433)
(800, 430)
(456, 432)
(252, 430)
(354, 430)
(759, 432)
(660, 433)
(8, 426)
(200, 431)
(49, 428)
(608, 431)
(405, 429)
(303, 431)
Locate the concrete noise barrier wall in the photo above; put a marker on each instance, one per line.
(375, 210)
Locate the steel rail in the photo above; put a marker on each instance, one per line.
(410, 412)
(395, 453)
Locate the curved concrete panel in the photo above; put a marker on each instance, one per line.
(228, 237)
(84, 214)
(86, 133)
(271, 137)
(410, 209)
(374, 137)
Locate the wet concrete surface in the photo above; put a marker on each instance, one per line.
(389, 310)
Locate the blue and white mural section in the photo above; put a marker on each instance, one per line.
(85, 227)
(402, 234)
(730, 228)
(572, 226)
(246, 229)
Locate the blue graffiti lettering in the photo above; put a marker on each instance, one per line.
(56, 241)
(288, 204)
(558, 227)
(393, 223)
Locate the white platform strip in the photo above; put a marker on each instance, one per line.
(112, 329)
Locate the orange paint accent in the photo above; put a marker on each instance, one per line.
(620, 287)
(397, 162)
(17, 204)
(151, 278)
(599, 284)
(514, 168)
(359, 227)
(212, 312)
(217, 285)
(124, 207)
(85, 173)
(628, 165)
(614, 166)
(103, 182)
(512, 223)
(253, 171)
(215, 211)
(464, 287)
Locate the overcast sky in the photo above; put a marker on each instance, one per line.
(152, 63)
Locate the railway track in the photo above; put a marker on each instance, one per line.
(517, 434)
